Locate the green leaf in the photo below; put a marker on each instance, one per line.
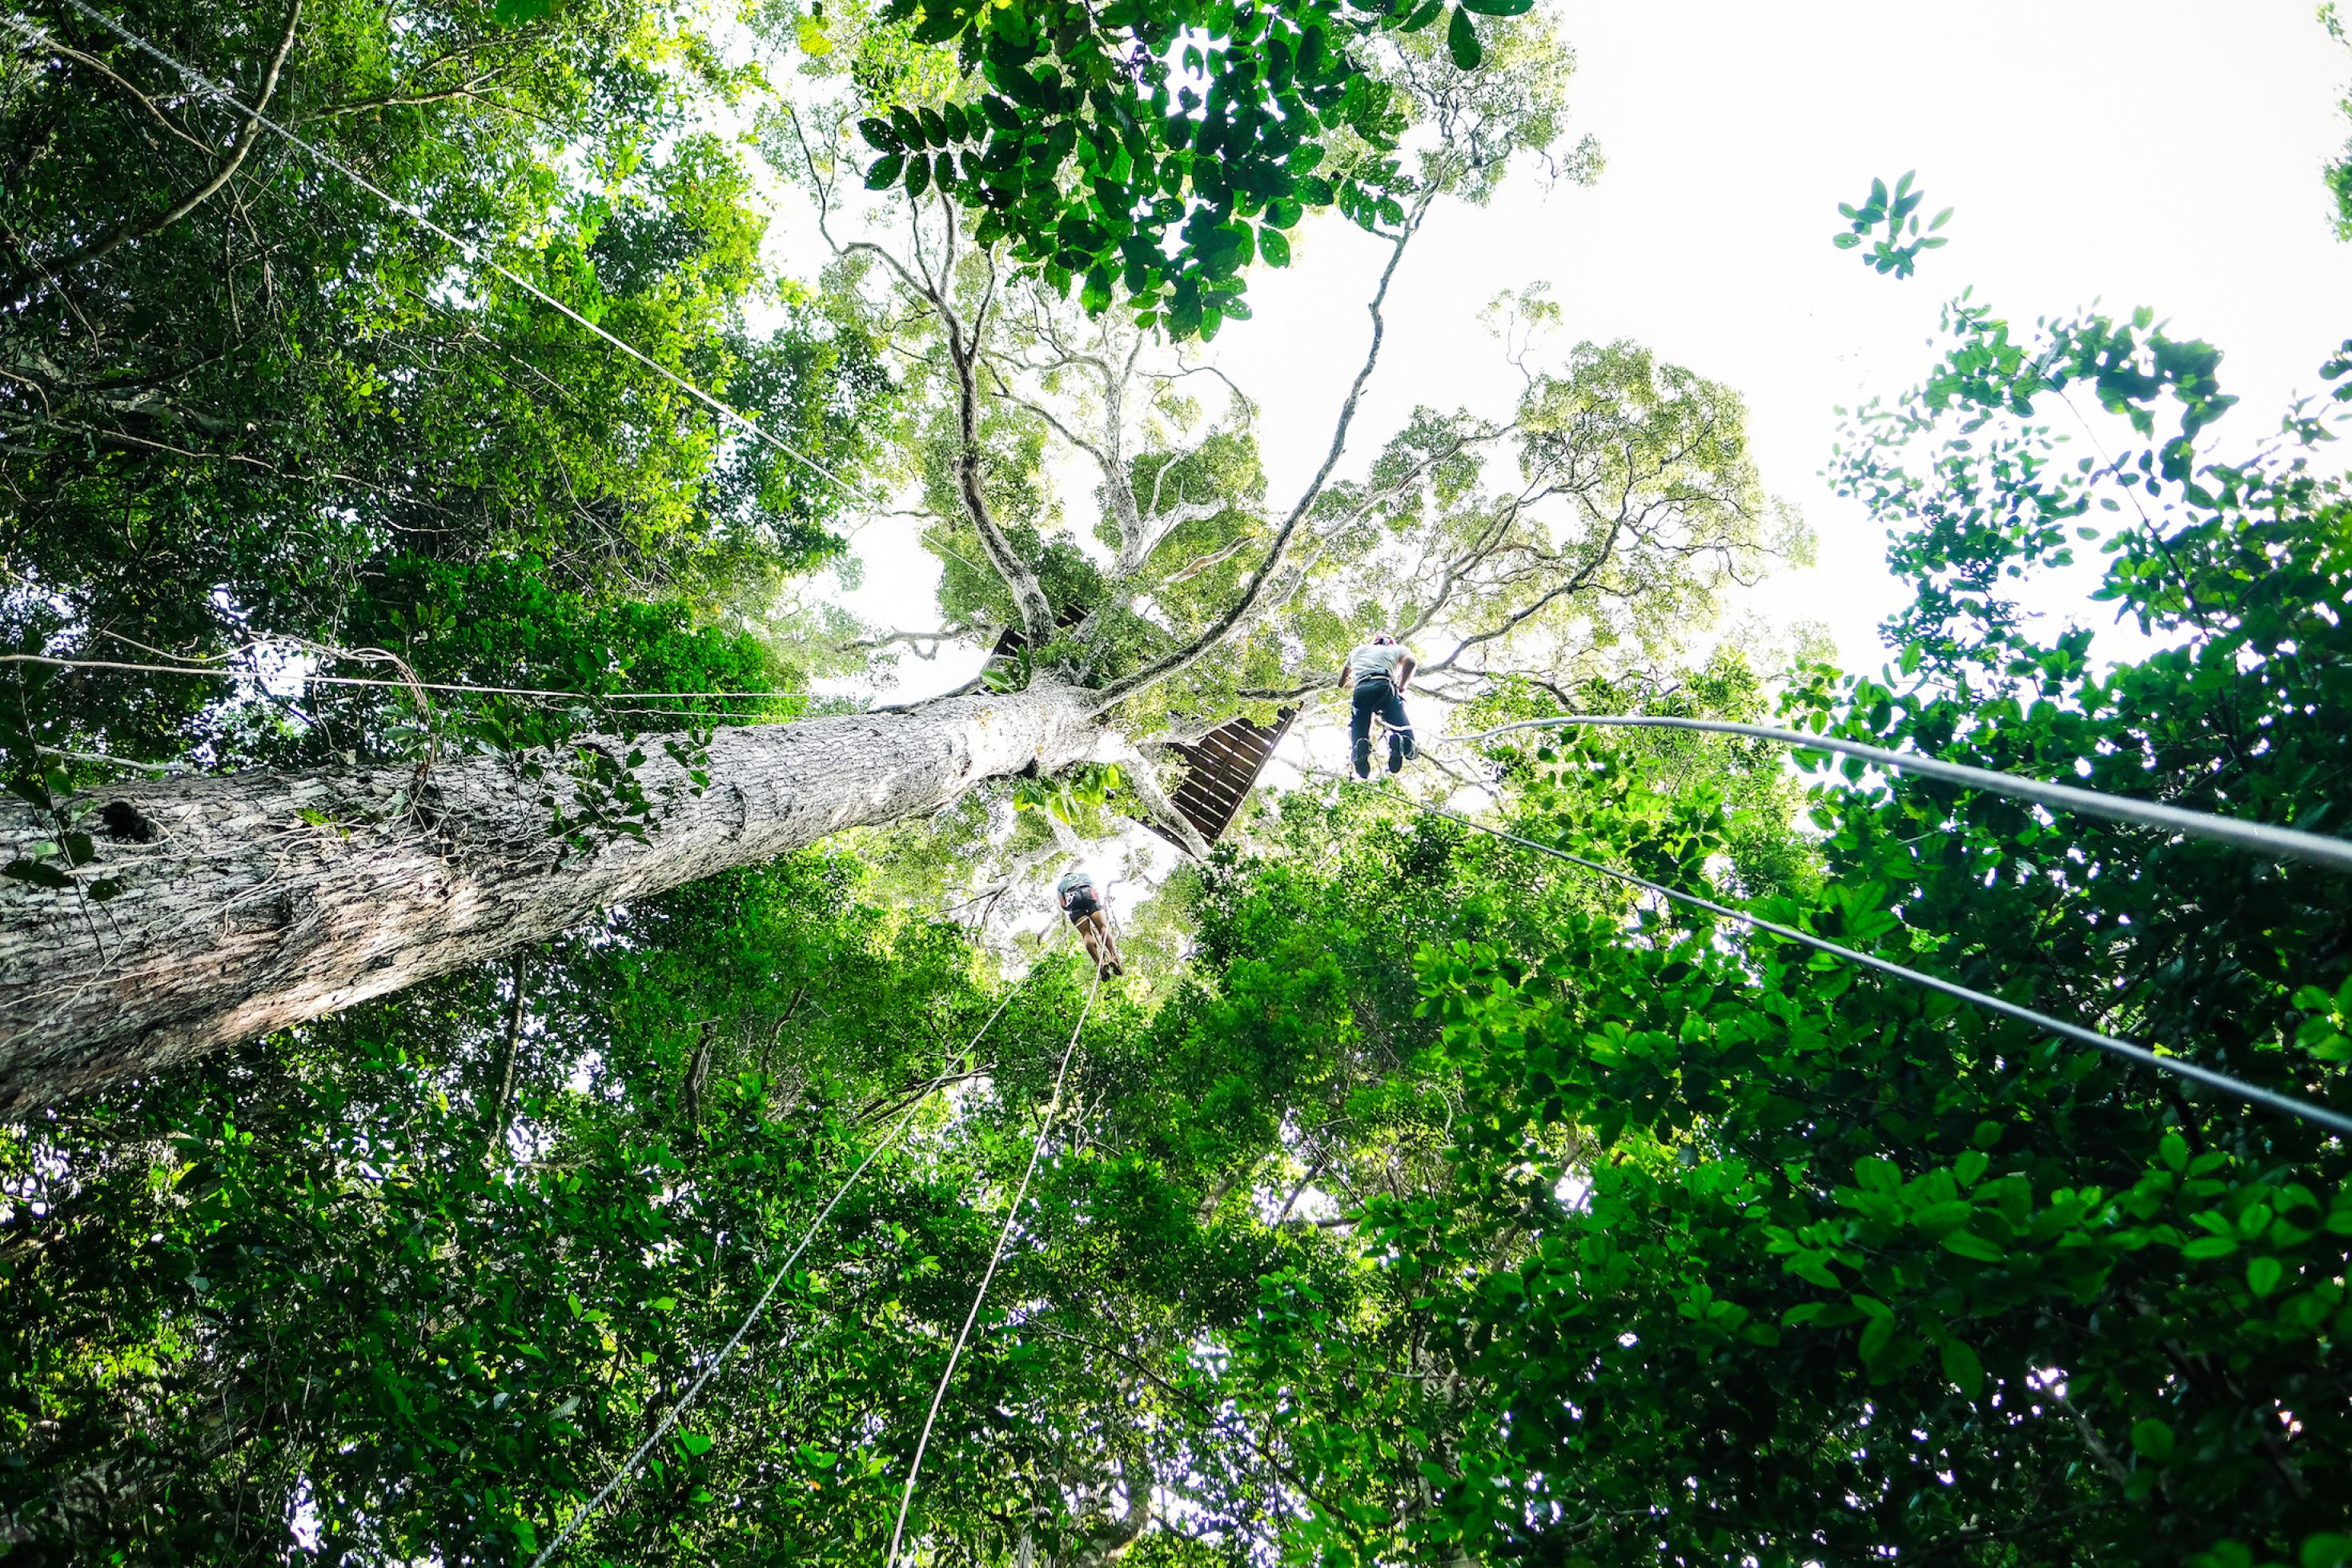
(694, 1442)
(1499, 8)
(2330, 1550)
(2263, 1273)
(918, 176)
(1429, 11)
(2152, 1438)
(882, 173)
(2210, 1247)
(2173, 1149)
(1275, 245)
(36, 872)
(1875, 1334)
(1968, 1244)
(1961, 1367)
(880, 136)
(1462, 41)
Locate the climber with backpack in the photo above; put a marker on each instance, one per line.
(1377, 673)
(1082, 901)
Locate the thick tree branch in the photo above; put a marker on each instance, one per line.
(1246, 603)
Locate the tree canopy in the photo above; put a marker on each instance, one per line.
(1419, 1197)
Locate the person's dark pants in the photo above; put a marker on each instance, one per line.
(1374, 694)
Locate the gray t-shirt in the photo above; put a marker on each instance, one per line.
(1375, 659)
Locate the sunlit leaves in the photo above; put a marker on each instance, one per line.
(1896, 251)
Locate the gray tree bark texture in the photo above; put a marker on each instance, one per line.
(251, 902)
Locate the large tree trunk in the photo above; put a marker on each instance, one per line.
(254, 901)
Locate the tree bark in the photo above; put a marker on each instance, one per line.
(253, 902)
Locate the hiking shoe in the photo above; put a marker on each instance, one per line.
(1364, 757)
(1396, 751)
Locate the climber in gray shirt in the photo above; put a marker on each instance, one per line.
(1377, 673)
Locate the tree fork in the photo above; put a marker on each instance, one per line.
(252, 902)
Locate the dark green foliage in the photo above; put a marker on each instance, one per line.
(1157, 148)
(1841, 1266)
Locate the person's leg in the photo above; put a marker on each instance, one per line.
(1086, 925)
(1400, 729)
(1359, 725)
(1110, 945)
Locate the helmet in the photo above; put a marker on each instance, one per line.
(1381, 639)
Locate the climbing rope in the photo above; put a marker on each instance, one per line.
(670, 1419)
(2138, 1054)
(471, 250)
(2291, 842)
(1005, 1234)
(219, 672)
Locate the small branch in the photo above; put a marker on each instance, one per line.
(503, 1113)
(249, 133)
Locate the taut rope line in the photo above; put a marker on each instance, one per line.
(2139, 1055)
(670, 1419)
(1005, 1234)
(2290, 843)
(471, 250)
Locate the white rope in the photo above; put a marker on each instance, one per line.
(2138, 1054)
(471, 250)
(214, 671)
(2295, 844)
(670, 1419)
(940, 1393)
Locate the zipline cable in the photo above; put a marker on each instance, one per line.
(217, 672)
(473, 251)
(939, 1394)
(670, 1419)
(2262, 837)
(2196, 1072)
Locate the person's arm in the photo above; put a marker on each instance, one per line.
(1347, 674)
(1404, 668)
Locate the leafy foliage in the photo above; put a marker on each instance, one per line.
(270, 417)
(1898, 250)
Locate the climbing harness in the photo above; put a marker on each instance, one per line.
(2139, 1054)
(1003, 1236)
(2262, 837)
(670, 1419)
(471, 250)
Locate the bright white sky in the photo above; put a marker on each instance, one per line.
(2164, 153)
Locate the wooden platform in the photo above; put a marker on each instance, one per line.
(1220, 771)
(1219, 768)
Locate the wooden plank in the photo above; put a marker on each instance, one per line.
(1221, 769)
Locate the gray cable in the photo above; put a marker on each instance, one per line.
(471, 250)
(2138, 1054)
(939, 1394)
(669, 1419)
(2262, 837)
